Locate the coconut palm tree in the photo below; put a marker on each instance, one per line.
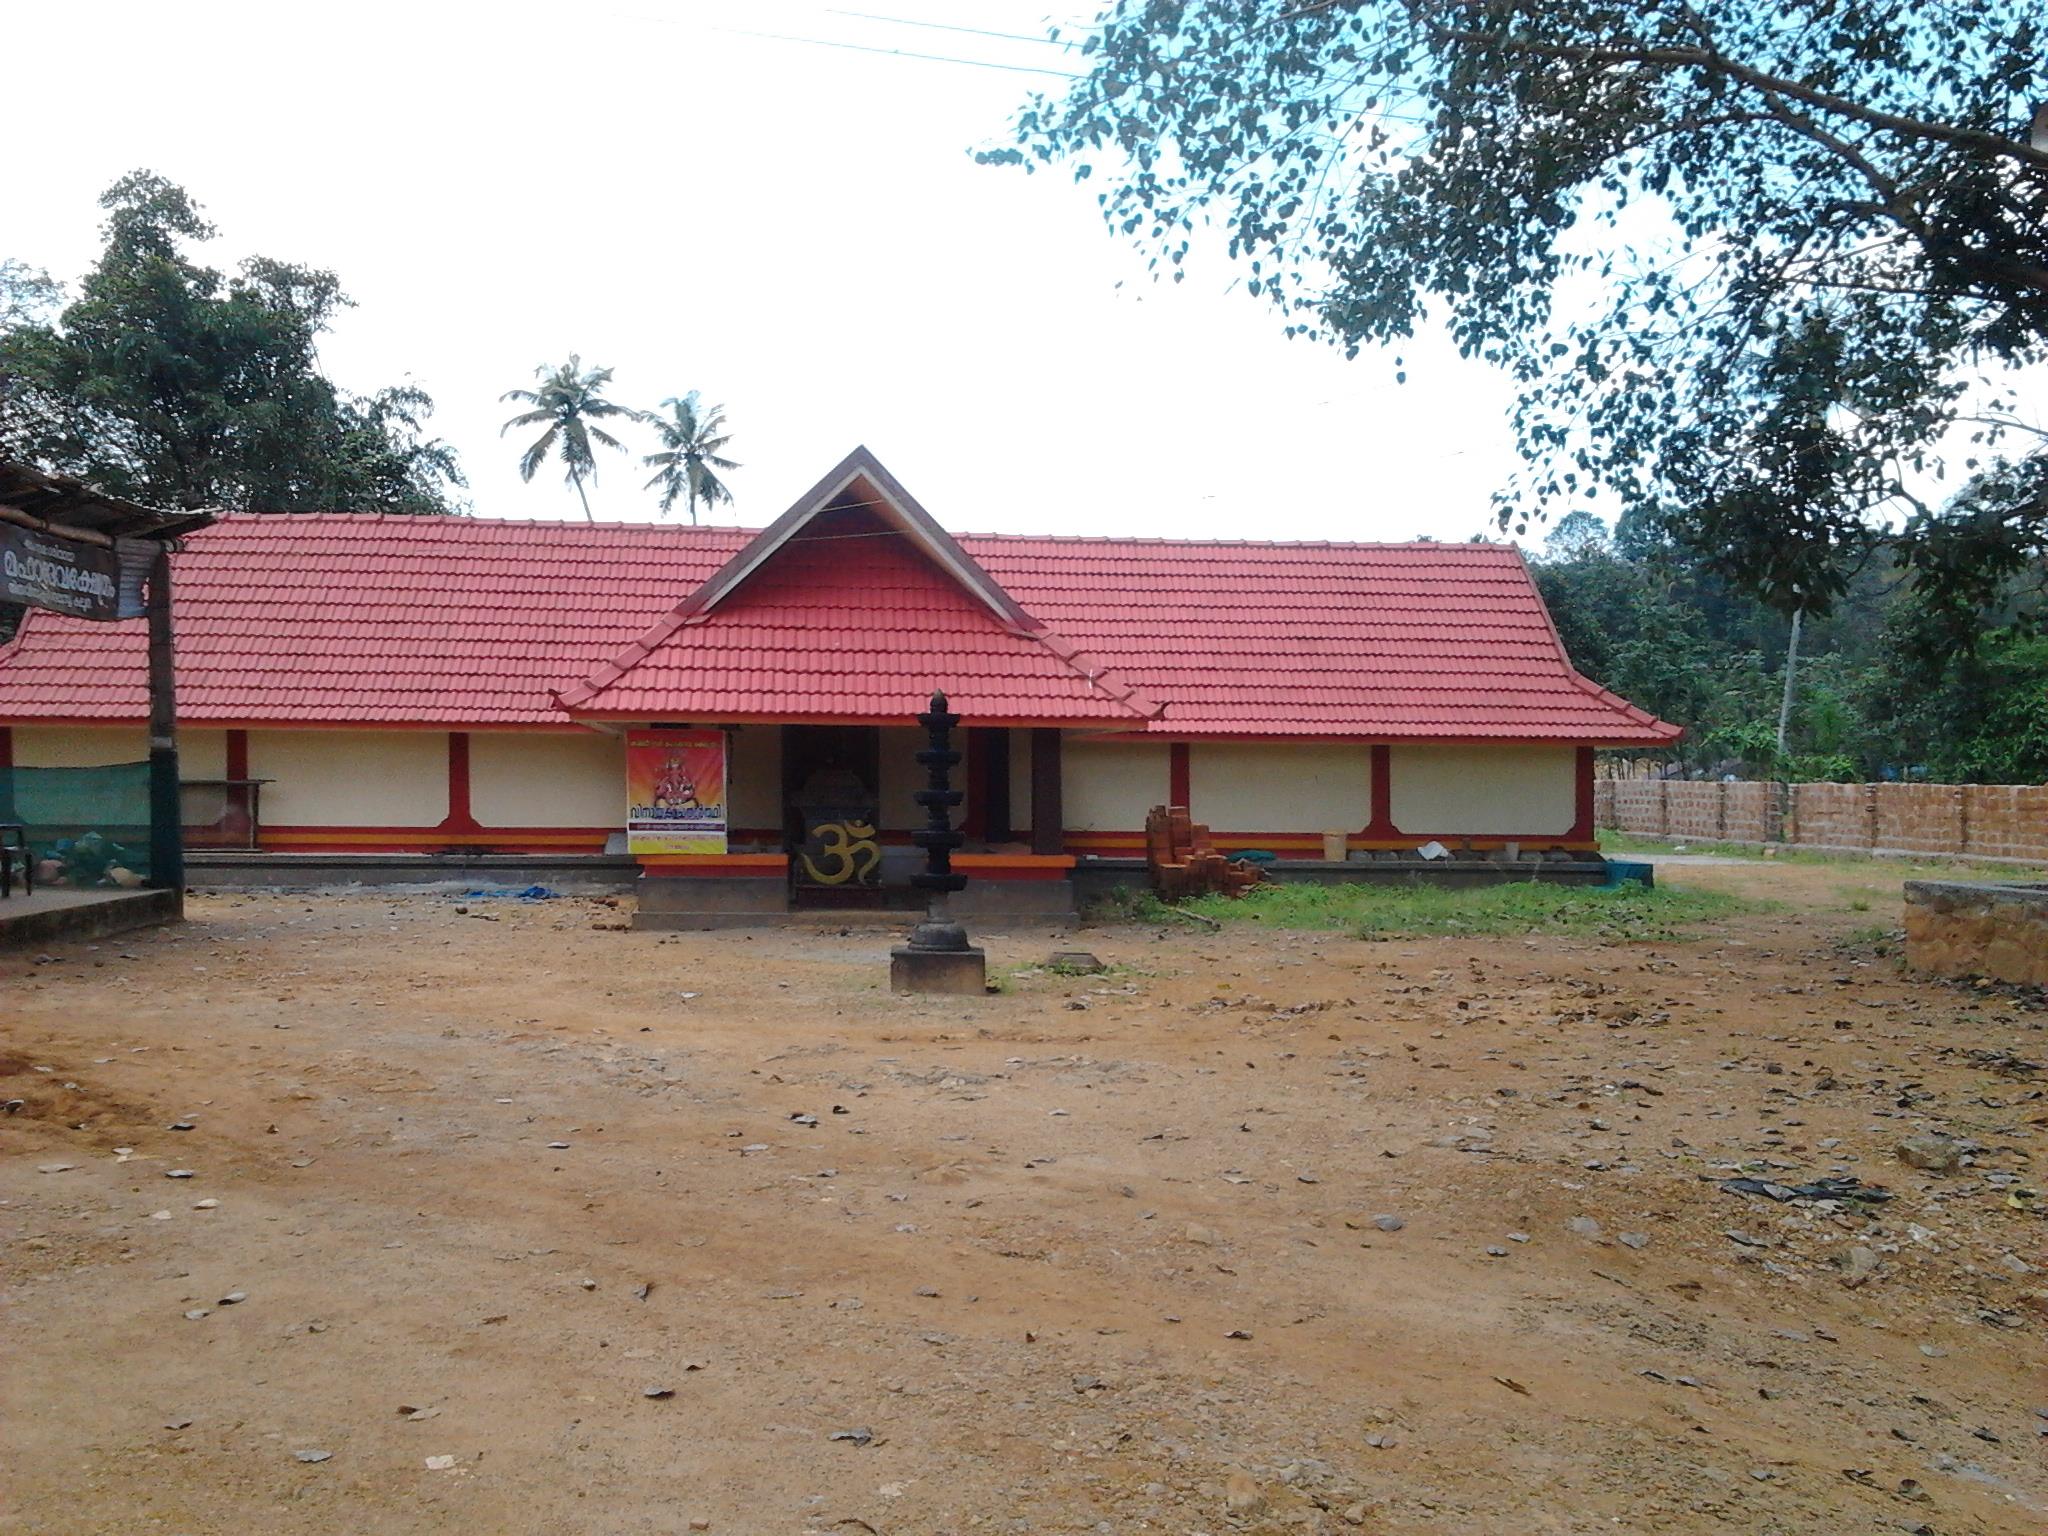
(691, 437)
(569, 402)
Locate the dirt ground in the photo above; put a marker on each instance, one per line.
(1258, 1232)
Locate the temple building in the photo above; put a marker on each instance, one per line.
(733, 709)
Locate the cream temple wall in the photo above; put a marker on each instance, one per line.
(1484, 791)
(351, 778)
(202, 754)
(1108, 786)
(368, 779)
(1308, 786)
(526, 779)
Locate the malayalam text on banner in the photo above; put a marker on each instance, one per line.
(675, 792)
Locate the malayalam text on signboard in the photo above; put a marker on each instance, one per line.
(83, 580)
(675, 792)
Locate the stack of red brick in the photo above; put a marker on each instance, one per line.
(1182, 862)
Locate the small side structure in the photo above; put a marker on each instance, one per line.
(70, 554)
(1964, 929)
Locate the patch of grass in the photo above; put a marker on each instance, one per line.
(1882, 866)
(1875, 941)
(1630, 913)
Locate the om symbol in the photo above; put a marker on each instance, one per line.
(849, 850)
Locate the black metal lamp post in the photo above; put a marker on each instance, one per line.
(938, 957)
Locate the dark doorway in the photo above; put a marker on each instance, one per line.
(831, 811)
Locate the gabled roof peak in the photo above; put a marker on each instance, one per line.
(1043, 673)
(860, 481)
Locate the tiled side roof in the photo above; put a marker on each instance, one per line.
(355, 619)
(1434, 641)
(365, 619)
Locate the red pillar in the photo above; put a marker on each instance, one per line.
(1582, 827)
(238, 822)
(459, 818)
(1382, 823)
(1048, 800)
(1177, 792)
(975, 823)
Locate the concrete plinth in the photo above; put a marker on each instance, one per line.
(960, 972)
(1955, 928)
(56, 914)
(1016, 901)
(726, 901)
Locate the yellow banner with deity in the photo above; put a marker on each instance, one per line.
(675, 792)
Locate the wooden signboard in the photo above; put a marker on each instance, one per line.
(87, 581)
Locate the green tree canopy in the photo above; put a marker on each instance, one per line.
(1750, 262)
(178, 385)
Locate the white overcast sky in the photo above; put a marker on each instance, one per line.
(797, 231)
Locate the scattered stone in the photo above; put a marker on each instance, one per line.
(55, 1167)
(178, 1173)
(1935, 1153)
(587, 1283)
(159, 1215)
(1858, 1265)
(1518, 1237)
(440, 1463)
(1242, 1496)
(234, 1298)
(197, 1313)
(854, 1436)
(313, 1456)
(208, 1204)
(1583, 1226)
(558, 1146)
(1633, 1239)
(1495, 1251)
(1237, 1333)
(658, 1392)
(1389, 1223)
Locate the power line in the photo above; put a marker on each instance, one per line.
(899, 53)
(943, 26)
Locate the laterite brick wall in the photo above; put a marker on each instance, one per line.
(1983, 821)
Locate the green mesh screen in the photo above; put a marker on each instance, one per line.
(92, 822)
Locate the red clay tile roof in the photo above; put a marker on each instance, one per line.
(332, 619)
(849, 620)
(1430, 641)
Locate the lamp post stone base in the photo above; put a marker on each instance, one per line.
(962, 972)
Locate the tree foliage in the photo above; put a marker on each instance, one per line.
(1881, 690)
(1750, 262)
(567, 406)
(685, 468)
(178, 385)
